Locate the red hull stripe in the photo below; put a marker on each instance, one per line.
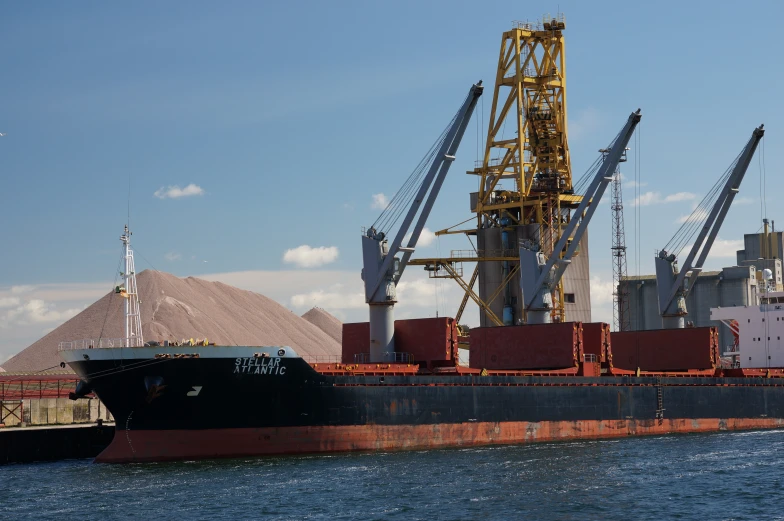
(165, 445)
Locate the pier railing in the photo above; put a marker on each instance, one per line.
(26, 386)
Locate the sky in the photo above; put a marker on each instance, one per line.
(249, 142)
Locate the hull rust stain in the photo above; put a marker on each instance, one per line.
(163, 445)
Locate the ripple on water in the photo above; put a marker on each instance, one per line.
(713, 476)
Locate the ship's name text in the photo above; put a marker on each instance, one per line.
(259, 366)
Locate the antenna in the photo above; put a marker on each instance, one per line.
(129, 201)
(133, 321)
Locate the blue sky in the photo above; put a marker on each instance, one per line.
(289, 117)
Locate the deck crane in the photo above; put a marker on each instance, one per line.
(538, 276)
(381, 268)
(673, 286)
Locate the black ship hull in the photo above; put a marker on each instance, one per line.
(223, 405)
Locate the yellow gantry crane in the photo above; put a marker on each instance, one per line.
(525, 177)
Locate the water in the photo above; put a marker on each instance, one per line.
(715, 476)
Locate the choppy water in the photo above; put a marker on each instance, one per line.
(711, 477)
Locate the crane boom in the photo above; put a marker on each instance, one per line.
(672, 286)
(537, 275)
(381, 268)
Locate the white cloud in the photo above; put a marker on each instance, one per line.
(342, 293)
(646, 199)
(601, 291)
(69, 292)
(649, 198)
(175, 192)
(722, 248)
(173, 256)
(35, 311)
(698, 215)
(726, 248)
(418, 292)
(601, 299)
(380, 202)
(308, 257)
(336, 296)
(9, 302)
(27, 312)
(679, 196)
(628, 183)
(426, 238)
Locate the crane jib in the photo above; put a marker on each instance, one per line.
(576, 227)
(435, 178)
(668, 290)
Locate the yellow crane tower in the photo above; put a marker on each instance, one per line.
(525, 177)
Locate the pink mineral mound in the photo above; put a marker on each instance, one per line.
(325, 322)
(173, 309)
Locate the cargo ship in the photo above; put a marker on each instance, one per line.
(527, 383)
(197, 401)
(526, 375)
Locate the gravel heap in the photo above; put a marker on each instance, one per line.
(326, 322)
(173, 309)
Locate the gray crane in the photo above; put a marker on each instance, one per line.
(673, 286)
(382, 269)
(538, 276)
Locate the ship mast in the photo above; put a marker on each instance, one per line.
(133, 321)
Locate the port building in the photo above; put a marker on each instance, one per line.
(738, 285)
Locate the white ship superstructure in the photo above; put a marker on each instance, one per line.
(758, 330)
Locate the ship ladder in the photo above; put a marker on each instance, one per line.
(659, 402)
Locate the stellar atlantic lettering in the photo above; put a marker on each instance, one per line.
(259, 366)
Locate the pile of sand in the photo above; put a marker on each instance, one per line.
(326, 322)
(173, 309)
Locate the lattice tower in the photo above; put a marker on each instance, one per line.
(527, 139)
(527, 148)
(621, 312)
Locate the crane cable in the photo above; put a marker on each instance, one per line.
(698, 217)
(111, 294)
(763, 181)
(402, 199)
(637, 215)
(584, 181)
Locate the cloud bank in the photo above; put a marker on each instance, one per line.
(649, 198)
(309, 257)
(175, 192)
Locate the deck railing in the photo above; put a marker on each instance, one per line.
(322, 359)
(90, 343)
(388, 357)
